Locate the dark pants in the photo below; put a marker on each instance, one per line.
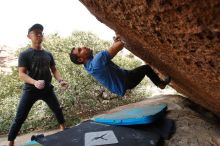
(28, 98)
(136, 75)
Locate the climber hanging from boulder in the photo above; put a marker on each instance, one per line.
(110, 75)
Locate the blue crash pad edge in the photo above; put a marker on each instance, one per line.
(133, 121)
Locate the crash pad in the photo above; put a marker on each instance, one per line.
(90, 133)
(133, 115)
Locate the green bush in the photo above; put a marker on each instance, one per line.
(84, 98)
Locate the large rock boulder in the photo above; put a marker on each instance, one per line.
(179, 38)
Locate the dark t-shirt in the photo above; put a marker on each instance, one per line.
(37, 63)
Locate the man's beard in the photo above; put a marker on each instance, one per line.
(90, 53)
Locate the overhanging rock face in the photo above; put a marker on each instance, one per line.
(177, 37)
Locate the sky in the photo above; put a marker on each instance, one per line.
(57, 16)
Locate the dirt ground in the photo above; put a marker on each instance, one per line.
(195, 126)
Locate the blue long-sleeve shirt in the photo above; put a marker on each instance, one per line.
(107, 73)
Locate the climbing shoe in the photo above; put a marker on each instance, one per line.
(165, 82)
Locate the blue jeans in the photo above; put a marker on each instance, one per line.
(135, 76)
(28, 98)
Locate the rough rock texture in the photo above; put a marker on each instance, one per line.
(180, 38)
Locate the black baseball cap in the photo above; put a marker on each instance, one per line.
(36, 26)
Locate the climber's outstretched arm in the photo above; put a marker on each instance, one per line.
(116, 46)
